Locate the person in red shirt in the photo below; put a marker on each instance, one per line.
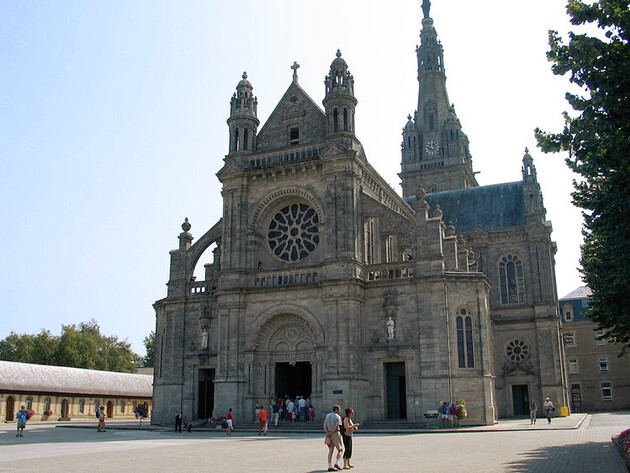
(230, 421)
(263, 417)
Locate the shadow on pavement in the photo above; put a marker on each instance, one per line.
(577, 458)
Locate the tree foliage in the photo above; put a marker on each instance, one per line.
(597, 137)
(82, 346)
(149, 345)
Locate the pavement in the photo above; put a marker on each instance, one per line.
(578, 443)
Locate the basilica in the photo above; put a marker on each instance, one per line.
(325, 282)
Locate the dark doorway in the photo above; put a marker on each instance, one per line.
(206, 394)
(396, 390)
(576, 398)
(64, 409)
(293, 380)
(110, 409)
(10, 408)
(520, 397)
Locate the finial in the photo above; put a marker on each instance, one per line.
(450, 229)
(426, 6)
(409, 117)
(186, 226)
(420, 192)
(526, 150)
(338, 53)
(295, 67)
(244, 75)
(438, 212)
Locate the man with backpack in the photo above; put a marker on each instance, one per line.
(22, 417)
(100, 414)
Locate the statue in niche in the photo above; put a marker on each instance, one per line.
(205, 340)
(391, 328)
(204, 322)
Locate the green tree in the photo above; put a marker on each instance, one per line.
(597, 137)
(149, 345)
(26, 348)
(82, 346)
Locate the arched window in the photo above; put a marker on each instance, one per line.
(82, 406)
(465, 348)
(335, 120)
(345, 119)
(46, 405)
(122, 407)
(511, 280)
(29, 403)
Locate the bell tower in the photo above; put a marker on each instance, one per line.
(434, 149)
(243, 121)
(339, 102)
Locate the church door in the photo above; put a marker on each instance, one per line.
(520, 397)
(205, 405)
(10, 408)
(293, 379)
(396, 390)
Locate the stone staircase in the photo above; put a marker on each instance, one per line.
(285, 427)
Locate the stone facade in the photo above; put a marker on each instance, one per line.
(326, 283)
(599, 379)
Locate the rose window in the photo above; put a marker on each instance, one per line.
(517, 350)
(293, 232)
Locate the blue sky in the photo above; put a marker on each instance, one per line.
(113, 125)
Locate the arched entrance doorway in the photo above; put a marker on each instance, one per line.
(110, 409)
(65, 409)
(10, 409)
(287, 355)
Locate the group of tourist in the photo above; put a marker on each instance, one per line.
(339, 436)
(299, 409)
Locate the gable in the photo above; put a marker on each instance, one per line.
(295, 110)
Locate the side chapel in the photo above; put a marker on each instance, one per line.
(326, 283)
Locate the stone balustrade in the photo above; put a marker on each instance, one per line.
(282, 278)
(288, 155)
(398, 270)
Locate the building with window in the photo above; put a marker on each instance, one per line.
(58, 392)
(322, 281)
(599, 380)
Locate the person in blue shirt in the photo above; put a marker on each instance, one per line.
(22, 417)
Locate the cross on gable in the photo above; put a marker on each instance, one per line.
(295, 67)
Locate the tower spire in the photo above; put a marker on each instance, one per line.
(435, 149)
(243, 121)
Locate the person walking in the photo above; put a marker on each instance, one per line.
(230, 422)
(548, 408)
(532, 412)
(22, 417)
(276, 413)
(263, 417)
(101, 419)
(256, 411)
(348, 428)
(333, 440)
(178, 421)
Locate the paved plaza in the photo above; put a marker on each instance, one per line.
(577, 444)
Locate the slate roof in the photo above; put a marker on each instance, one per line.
(26, 377)
(582, 292)
(492, 207)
